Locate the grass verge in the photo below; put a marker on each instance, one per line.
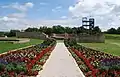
(6, 46)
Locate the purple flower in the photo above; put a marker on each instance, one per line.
(3, 61)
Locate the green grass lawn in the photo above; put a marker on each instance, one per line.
(111, 45)
(5, 46)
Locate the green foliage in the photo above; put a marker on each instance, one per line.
(21, 68)
(17, 67)
(48, 31)
(10, 67)
(31, 30)
(47, 42)
(43, 29)
(68, 30)
(118, 30)
(96, 30)
(1, 34)
(112, 31)
(112, 67)
(12, 33)
(37, 67)
(2, 66)
(70, 42)
(60, 30)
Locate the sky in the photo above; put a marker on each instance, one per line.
(21, 14)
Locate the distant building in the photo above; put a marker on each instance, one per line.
(62, 36)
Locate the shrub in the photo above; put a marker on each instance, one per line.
(2, 66)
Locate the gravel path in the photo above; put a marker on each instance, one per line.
(60, 64)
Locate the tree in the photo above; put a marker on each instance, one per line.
(44, 29)
(1, 34)
(68, 30)
(111, 31)
(58, 29)
(48, 31)
(12, 33)
(74, 30)
(81, 30)
(118, 30)
(32, 30)
(96, 30)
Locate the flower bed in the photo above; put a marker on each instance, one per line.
(26, 62)
(94, 63)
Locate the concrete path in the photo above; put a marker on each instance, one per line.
(60, 64)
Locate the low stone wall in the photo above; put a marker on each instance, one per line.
(99, 38)
(15, 40)
(21, 41)
(37, 35)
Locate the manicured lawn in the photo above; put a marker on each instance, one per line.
(112, 36)
(111, 45)
(5, 46)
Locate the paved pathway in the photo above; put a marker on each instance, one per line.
(60, 64)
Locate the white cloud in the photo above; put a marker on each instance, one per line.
(43, 3)
(20, 7)
(56, 9)
(29, 5)
(8, 23)
(59, 22)
(4, 18)
(7, 19)
(106, 12)
(63, 17)
(17, 15)
(15, 20)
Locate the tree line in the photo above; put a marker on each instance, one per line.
(55, 29)
(60, 30)
(11, 33)
(113, 31)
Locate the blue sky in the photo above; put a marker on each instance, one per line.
(21, 14)
(41, 8)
